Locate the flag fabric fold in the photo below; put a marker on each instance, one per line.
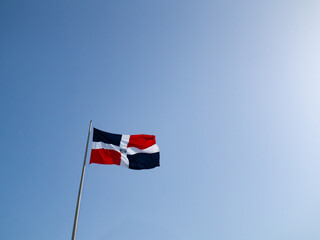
(130, 151)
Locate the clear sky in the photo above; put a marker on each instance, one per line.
(230, 89)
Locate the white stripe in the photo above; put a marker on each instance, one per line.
(124, 141)
(124, 161)
(99, 145)
(123, 145)
(153, 149)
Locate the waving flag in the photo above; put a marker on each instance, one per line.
(131, 151)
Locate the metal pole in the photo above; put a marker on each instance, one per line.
(80, 188)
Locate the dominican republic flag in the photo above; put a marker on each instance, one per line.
(130, 151)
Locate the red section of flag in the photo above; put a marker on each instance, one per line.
(105, 156)
(141, 141)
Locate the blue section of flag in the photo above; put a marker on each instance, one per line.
(144, 160)
(109, 138)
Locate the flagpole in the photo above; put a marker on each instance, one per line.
(80, 188)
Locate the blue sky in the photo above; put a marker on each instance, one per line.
(230, 89)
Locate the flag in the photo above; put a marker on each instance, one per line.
(130, 151)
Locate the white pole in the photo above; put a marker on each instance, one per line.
(80, 188)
